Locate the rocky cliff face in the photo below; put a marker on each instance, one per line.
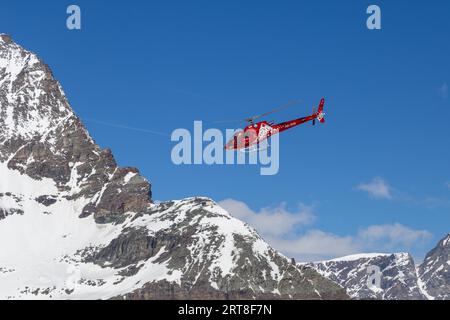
(434, 272)
(75, 225)
(398, 279)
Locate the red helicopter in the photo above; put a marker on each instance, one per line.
(254, 133)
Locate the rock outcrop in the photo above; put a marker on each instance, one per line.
(397, 276)
(434, 272)
(400, 277)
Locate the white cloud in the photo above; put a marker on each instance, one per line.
(434, 202)
(316, 245)
(277, 226)
(377, 188)
(276, 221)
(443, 91)
(287, 232)
(393, 235)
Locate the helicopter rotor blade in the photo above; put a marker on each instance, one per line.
(228, 121)
(251, 119)
(285, 106)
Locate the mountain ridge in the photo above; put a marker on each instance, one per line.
(401, 278)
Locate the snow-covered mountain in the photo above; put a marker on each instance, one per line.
(400, 278)
(75, 225)
(434, 272)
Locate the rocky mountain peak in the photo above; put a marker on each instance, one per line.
(434, 271)
(400, 278)
(397, 272)
(32, 102)
(43, 138)
(445, 242)
(5, 38)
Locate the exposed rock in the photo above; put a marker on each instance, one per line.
(8, 212)
(46, 200)
(434, 272)
(398, 276)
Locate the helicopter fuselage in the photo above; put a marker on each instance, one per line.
(254, 133)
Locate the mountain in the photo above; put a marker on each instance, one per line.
(400, 278)
(434, 272)
(75, 225)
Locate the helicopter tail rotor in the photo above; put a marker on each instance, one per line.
(319, 114)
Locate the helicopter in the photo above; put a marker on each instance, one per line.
(256, 132)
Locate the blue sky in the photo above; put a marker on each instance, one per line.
(374, 178)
